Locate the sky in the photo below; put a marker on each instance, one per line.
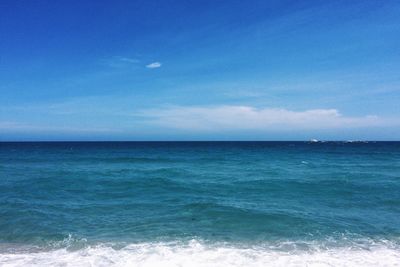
(199, 70)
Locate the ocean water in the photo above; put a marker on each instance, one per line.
(200, 204)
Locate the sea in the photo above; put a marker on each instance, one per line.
(199, 204)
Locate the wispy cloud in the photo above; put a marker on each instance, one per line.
(8, 126)
(250, 118)
(129, 60)
(121, 62)
(153, 65)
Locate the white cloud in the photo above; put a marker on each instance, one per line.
(153, 65)
(249, 118)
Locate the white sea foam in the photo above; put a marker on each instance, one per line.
(197, 254)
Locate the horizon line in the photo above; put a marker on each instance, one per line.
(183, 141)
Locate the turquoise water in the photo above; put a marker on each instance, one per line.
(160, 203)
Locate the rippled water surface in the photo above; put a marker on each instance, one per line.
(200, 203)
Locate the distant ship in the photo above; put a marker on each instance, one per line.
(314, 141)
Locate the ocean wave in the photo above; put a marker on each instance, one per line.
(195, 253)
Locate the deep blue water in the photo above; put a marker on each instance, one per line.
(81, 194)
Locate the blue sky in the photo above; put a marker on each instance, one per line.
(199, 70)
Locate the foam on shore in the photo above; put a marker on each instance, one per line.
(196, 253)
